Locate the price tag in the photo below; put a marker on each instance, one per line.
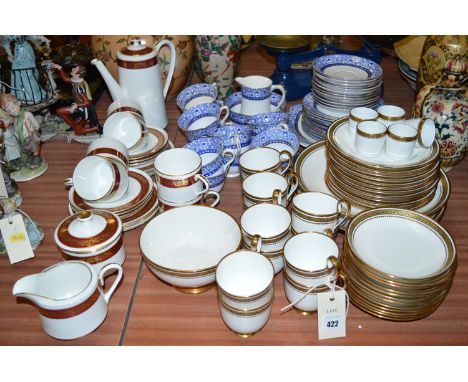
(331, 314)
(16, 239)
(3, 190)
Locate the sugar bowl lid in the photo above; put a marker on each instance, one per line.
(88, 230)
(137, 50)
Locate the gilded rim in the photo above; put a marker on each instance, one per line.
(370, 135)
(246, 312)
(400, 138)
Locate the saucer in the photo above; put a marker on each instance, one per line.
(157, 140)
(295, 117)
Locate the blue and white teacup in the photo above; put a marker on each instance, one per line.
(279, 139)
(256, 92)
(216, 160)
(233, 102)
(197, 94)
(267, 121)
(202, 120)
(236, 137)
(216, 182)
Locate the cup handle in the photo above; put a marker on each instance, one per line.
(329, 233)
(256, 243)
(225, 109)
(228, 153)
(344, 280)
(345, 213)
(293, 182)
(170, 73)
(284, 126)
(277, 197)
(335, 263)
(170, 144)
(217, 198)
(283, 96)
(205, 182)
(68, 182)
(286, 162)
(109, 293)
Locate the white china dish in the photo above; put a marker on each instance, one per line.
(125, 127)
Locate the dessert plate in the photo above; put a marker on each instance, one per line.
(347, 67)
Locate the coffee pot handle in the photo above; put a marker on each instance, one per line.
(170, 74)
(109, 293)
(283, 96)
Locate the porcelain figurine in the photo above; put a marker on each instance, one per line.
(218, 60)
(140, 79)
(446, 102)
(22, 140)
(10, 184)
(437, 50)
(81, 115)
(25, 82)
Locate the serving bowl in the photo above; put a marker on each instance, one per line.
(183, 246)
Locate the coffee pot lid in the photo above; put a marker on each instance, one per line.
(136, 50)
(88, 230)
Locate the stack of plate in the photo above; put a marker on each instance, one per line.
(379, 181)
(311, 166)
(143, 158)
(135, 208)
(399, 264)
(340, 83)
(409, 75)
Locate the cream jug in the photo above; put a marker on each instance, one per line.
(140, 79)
(68, 297)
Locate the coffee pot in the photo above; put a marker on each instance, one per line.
(140, 79)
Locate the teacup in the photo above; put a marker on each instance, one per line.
(197, 94)
(233, 102)
(279, 139)
(202, 120)
(126, 105)
(109, 148)
(265, 229)
(370, 138)
(178, 176)
(245, 280)
(256, 92)
(426, 130)
(389, 114)
(267, 121)
(318, 212)
(234, 137)
(311, 259)
(401, 139)
(360, 114)
(262, 159)
(216, 182)
(98, 178)
(127, 128)
(268, 187)
(215, 159)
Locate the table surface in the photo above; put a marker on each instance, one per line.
(146, 311)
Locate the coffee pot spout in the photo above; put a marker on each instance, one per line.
(116, 91)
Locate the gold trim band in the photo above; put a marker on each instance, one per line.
(400, 138)
(370, 135)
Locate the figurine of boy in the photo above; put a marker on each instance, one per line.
(82, 110)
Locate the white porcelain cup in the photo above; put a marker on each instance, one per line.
(127, 128)
(360, 114)
(109, 148)
(266, 228)
(268, 187)
(263, 159)
(426, 130)
(305, 299)
(126, 105)
(98, 178)
(389, 114)
(245, 280)
(370, 138)
(310, 258)
(318, 212)
(178, 176)
(256, 93)
(401, 139)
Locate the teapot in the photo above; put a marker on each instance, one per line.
(68, 297)
(140, 79)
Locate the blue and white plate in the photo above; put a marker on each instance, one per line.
(344, 68)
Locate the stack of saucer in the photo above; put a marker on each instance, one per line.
(143, 158)
(340, 83)
(399, 264)
(379, 181)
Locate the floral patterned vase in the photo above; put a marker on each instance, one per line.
(218, 60)
(437, 50)
(447, 104)
(105, 48)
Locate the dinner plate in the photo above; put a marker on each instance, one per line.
(401, 243)
(348, 68)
